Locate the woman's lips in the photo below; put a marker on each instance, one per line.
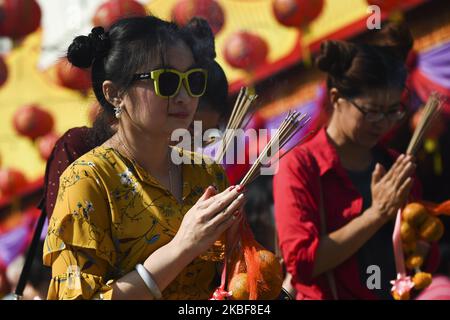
(179, 115)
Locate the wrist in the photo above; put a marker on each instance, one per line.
(377, 215)
(179, 251)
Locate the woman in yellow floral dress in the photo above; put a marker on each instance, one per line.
(125, 204)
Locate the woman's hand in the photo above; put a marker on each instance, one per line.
(390, 190)
(205, 222)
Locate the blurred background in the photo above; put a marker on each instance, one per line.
(42, 96)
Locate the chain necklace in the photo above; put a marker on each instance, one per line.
(130, 155)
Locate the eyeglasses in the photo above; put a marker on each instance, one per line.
(375, 116)
(167, 82)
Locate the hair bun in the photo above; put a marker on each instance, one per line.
(202, 38)
(84, 49)
(395, 36)
(335, 57)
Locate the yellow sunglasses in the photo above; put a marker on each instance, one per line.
(167, 82)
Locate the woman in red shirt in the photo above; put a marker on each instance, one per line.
(360, 184)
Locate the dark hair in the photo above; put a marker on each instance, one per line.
(216, 94)
(353, 68)
(129, 44)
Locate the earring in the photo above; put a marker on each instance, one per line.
(117, 111)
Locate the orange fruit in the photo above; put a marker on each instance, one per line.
(415, 214)
(432, 229)
(414, 261)
(272, 275)
(239, 287)
(422, 280)
(407, 233)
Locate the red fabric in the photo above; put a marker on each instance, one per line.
(296, 194)
(424, 87)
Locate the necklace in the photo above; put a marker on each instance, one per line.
(130, 155)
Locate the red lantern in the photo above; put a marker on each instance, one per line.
(19, 18)
(209, 10)
(3, 71)
(11, 181)
(387, 5)
(46, 143)
(297, 13)
(72, 77)
(113, 10)
(245, 50)
(32, 121)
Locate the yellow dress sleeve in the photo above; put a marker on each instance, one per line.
(78, 245)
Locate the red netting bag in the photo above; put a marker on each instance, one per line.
(250, 271)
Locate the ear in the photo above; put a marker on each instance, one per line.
(334, 97)
(111, 93)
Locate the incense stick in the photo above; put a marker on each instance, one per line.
(293, 122)
(429, 114)
(240, 110)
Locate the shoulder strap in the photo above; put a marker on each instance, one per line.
(323, 231)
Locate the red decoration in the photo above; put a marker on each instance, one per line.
(245, 50)
(19, 18)
(32, 121)
(3, 71)
(436, 129)
(386, 5)
(297, 13)
(72, 77)
(11, 181)
(113, 10)
(46, 143)
(209, 10)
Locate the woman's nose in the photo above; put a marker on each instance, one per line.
(183, 96)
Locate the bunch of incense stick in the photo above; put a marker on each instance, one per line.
(429, 114)
(240, 110)
(288, 128)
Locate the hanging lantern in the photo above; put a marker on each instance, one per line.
(19, 18)
(45, 145)
(72, 77)
(245, 50)
(297, 13)
(113, 10)
(11, 181)
(32, 121)
(3, 71)
(210, 10)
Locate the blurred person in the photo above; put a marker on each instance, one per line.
(213, 108)
(337, 195)
(39, 277)
(129, 223)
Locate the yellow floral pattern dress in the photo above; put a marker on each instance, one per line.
(111, 214)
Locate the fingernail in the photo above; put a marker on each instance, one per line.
(240, 196)
(215, 187)
(231, 188)
(240, 189)
(237, 213)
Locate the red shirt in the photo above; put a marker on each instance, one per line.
(296, 194)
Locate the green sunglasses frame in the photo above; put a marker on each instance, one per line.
(183, 76)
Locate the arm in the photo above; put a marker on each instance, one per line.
(389, 192)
